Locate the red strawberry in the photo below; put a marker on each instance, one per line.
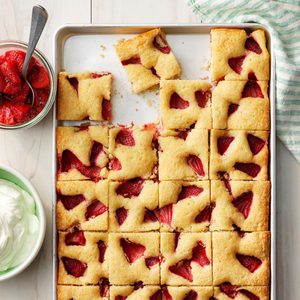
(69, 202)
(135, 60)
(196, 164)
(252, 89)
(125, 137)
(10, 71)
(95, 209)
(11, 88)
(106, 110)
(39, 77)
(165, 294)
(223, 143)
(138, 285)
(177, 102)
(252, 263)
(199, 255)
(192, 295)
(153, 71)
(165, 214)
(120, 297)
(224, 176)
(252, 45)
(19, 111)
(115, 164)
(156, 296)
(236, 63)
(102, 249)
(41, 98)
(161, 44)
(243, 203)
(132, 251)
(255, 143)
(232, 108)
(23, 94)
(19, 56)
(251, 76)
(74, 267)
(202, 98)
(238, 230)
(230, 290)
(97, 148)
(104, 287)
(205, 214)
(99, 74)
(176, 239)
(251, 169)
(74, 82)
(75, 238)
(182, 134)
(189, 191)
(183, 269)
(121, 215)
(153, 261)
(6, 116)
(130, 188)
(2, 82)
(150, 216)
(248, 294)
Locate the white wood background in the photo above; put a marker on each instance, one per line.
(30, 151)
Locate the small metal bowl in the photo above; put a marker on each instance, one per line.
(16, 45)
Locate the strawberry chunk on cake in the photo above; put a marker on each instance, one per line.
(147, 58)
(237, 55)
(84, 96)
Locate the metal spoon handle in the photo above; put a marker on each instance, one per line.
(38, 20)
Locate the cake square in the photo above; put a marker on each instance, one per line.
(132, 153)
(242, 205)
(241, 259)
(237, 55)
(184, 206)
(241, 105)
(240, 154)
(144, 292)
(188, 293)
(82, 257)
(90, 292)
(227, 291)
(84, 96)
(82, 203)
(147, 58)
(186, 259)
(134, 257)
(82, 152)
(129, 202)
(185, 156)
(185, 103)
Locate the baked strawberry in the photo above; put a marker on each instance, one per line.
(230, 290)
(74, 82)
(115, 164)
(70, 201)
(252, 45)
(236, 63)
(165, 214)
(125, 137)
(248, 294)
(189, 191)
(97, 149)
(95, 209)
(130, 188)
(255, 143)
(192, 295)
(223, 143)
(178, 102)
(196, 164)
(132, 251)
(161, 44)
(104, 287)
(202, 98)
(153, 261)
(183, 269)
(135, 60)
(106, 110)
(121, 215)
(232, 108)
(251, 169)
(252, 89)
(74, 267)
(243, 203)
(252, 263)
(199, 255)
(75, 238)
(102, 250)
(205, 214)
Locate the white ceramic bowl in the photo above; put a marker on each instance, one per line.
(14, 176)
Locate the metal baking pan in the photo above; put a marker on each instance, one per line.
(84, 47)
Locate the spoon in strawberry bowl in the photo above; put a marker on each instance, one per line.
(38, 21)
(27, 80)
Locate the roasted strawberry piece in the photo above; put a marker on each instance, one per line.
(161, 44)
(38, 77)
(205, 214)
(130, 188)
(95, 209)
(223, 143)
(199, 255)
(251, 169)
(75, 238)
(196, 164)
(189, 191)
(255, 143)
(236, 63)
(132, 61)
(102, 250)
(252, 45)
(192, 295)
(125, 137)
(74, 267)
(252, 263)
(153, 261)
(202, 98)
(104, 287)
(243, 203)
(177, 102)
(232, 108)
(183, 268)
(10, 71)
(165, 214)
(106, 110)
(230, 290)
(132, 251)
(252, 89)
(121, 215)
(70, 201)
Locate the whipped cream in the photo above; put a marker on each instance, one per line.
(19, 226)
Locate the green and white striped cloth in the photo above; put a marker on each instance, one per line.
(282, 18)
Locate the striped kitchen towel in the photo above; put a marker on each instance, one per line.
(282, 18)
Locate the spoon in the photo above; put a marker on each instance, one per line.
(38, 20)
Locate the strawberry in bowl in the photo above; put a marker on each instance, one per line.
(16, 107)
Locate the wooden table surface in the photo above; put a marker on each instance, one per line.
(29, 151)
